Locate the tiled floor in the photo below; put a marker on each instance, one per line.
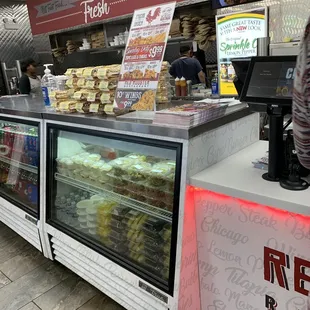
(28, 281)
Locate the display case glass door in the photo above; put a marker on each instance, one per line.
(118, 195)
(19, 164)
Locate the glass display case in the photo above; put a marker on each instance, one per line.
(19, 164)
(118, 195)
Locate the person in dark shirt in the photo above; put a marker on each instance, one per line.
(30, 83)
(187, 67)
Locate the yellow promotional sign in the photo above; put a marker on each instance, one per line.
(237, 36)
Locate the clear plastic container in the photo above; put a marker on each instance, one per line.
(120, 166)
(120, 190)
(157, 203)
(116, 181)
(138, 172)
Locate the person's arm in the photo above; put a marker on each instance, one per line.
(301, 102)
(24, 85)
(200, 73)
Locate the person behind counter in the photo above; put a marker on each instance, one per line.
(301, 102)
(187, 67)
(30, 83)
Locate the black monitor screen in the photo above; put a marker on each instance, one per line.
(241, 67)
(219, 4)
(270, 79)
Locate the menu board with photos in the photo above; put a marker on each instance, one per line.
(237, 36)
(143, 57)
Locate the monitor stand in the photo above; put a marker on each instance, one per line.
(276, 143)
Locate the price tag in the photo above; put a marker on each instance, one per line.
(77, 95)
(105, 98)
(104, 85)
(94, 107)
(102, 73)
(79, 106)
(87, 72)
(90, 84)
(156, 51)
(91, 97)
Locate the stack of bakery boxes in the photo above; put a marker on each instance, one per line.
(90, 90)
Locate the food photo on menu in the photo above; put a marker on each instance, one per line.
(219, 4)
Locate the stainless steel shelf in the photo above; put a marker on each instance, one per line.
(133, 204)
(18, 164)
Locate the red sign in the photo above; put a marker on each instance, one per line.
(52, 15)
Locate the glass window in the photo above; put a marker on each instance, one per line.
(19, 161)
(119, 194)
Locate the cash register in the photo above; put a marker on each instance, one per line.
(268, 88)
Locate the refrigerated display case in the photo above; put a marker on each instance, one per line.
(19, 164)
(119, 195)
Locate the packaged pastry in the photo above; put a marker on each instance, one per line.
(79, 72)
(109, 109)
(136, 157)
(96, 108)
(102, 73)
(155, 202)
(81, 83)
(121, 165)
(119, 213)
(72, 82)
(112, 84)
(82, 107)
(120, 190)
(103, 85)
(67, 106)
(59, 95)
(113, 70)
(166, 232)
(153, 225)
(95, 169)
(69, 72)
(131, 217)
(92, 84)
(80, 95)
(103, 171)
(139, 172)
(93, 96)
(136, 196)
(105, 97)
(116, 181)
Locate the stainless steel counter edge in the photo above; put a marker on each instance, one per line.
(38, 111)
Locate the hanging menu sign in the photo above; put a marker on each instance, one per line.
(143, 57)
(237, 36)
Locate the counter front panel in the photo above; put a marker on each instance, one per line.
(19, 162)
(119, 195)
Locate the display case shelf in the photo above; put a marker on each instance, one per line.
(133, 204)
(18, 164)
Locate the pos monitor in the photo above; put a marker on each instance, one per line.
(269, 88)
(241, 67)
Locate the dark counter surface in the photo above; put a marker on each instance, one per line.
(33, 108)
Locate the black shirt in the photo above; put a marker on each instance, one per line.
(186, 67)
(24, 85)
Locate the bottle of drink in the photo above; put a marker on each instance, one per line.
(183, 87)
(48, 84)
(215, 85)
(177, 87)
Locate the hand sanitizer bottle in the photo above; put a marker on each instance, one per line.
(48, 84)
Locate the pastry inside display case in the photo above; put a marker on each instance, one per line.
(122, 200)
